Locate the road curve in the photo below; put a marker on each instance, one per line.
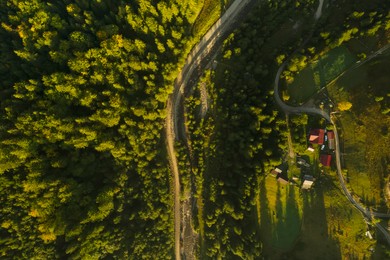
(194, 60)
(300, 109)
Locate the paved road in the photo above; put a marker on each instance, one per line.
(199, 53)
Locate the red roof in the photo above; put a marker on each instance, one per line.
(325, 159)
(331, 141)
(317, 136)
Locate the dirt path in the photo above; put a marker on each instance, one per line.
(195, 59)
(175, 173)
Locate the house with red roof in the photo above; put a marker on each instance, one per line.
(331, 141)
(317, 136)
(325, 159)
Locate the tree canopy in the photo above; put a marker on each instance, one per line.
(83, 168)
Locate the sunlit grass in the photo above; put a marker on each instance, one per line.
(364, 143)
(209, 14)
(282, 221)
(319, 73)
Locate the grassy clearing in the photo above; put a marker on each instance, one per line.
(209, 14)
(281, 212)
(365, 127)
(319, 73)
(326, 226)
(331, 228)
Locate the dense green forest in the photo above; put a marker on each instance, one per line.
(83, 167)
(242, 135)
(84, 172)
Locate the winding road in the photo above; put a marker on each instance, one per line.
(194, 62)
(367, 213)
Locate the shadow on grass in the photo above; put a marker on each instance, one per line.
(315, 241)
(265, 219)
(281, 222)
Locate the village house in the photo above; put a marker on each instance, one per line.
(308, 182)
(331, 141)
(317, 136)
(276, 172)
(282, 179)
(325, 159)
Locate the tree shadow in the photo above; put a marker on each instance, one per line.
(279, 224)
(288, 225)
(266, 221)
(316, 241)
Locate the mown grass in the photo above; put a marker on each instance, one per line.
(332, 228)
(281, 212)
(319, 73)
(316, 224)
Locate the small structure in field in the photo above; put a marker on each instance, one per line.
(308, 182)
(282, 179)
(275, 172)
(310, 148)
(368, 234)
(317, 136)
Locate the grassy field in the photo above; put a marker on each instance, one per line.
(317, 74)
(316, 224)
(365, 127)
(209, 14)
(332, 229)
(280, 214)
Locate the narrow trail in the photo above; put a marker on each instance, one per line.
(199, 53)
(175, 173)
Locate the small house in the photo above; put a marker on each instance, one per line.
(282, 179)
(331, 141)
(308, 182)
(317, 136)
(325, 159)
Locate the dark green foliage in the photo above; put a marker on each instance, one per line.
(240, 139)
(83, 168)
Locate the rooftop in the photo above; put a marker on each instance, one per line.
(308, 181)
(317, 136)
(325, 159)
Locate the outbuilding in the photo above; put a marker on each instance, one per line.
(317, 136)
(331, 141)
(325, 159)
